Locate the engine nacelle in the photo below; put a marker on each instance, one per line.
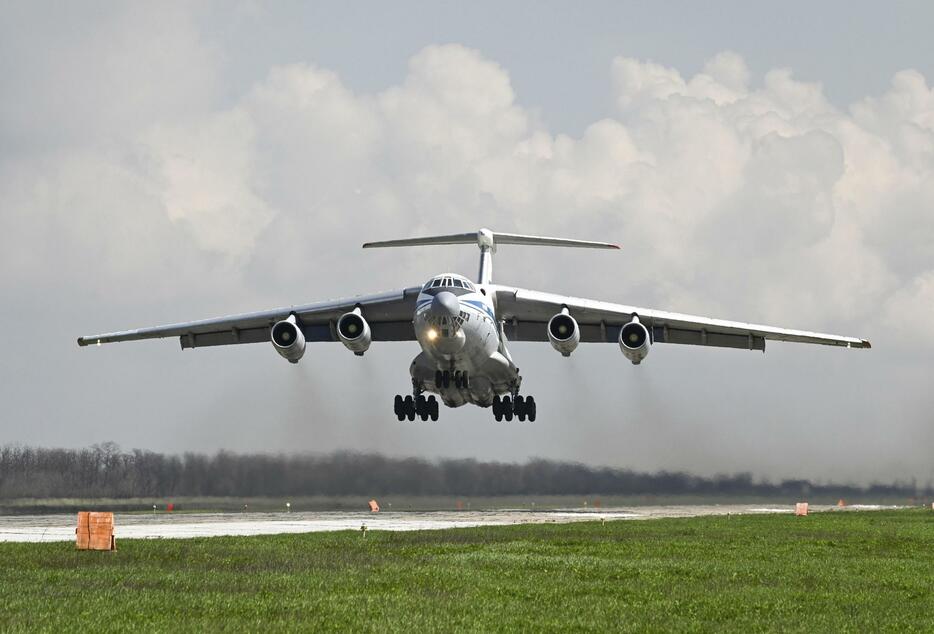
(564, 333)
(288, 339)
(354, 332)
(634, 340)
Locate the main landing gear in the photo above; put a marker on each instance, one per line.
(412, 406)
(518, 406)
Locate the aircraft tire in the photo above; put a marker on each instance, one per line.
(398, 407)
(433, 408)
(533, 409)
(507, 408)
(410, 408)
(439, 379)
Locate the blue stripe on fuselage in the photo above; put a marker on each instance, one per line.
(475, 303)
(482, 306)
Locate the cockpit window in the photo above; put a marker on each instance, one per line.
(449, 282)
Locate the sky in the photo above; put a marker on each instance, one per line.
(174, 161)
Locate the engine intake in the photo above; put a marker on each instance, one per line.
(563, 333)
(634, 340)
(354, 332)
(288, 339)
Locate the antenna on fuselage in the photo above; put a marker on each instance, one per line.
(487, 241)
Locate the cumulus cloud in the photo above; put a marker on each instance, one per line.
(738, 196)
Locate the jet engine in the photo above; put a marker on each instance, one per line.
(634, 340)
(354, 332)
(288, 339)
(563, 333)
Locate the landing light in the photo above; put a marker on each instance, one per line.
(432, 334)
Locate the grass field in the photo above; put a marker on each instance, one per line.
(853, 571)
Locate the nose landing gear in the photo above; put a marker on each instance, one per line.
(444, 378)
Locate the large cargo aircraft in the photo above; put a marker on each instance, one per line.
(463, 328)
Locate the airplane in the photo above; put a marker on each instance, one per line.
(463, 329)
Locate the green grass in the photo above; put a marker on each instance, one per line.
(853, 571)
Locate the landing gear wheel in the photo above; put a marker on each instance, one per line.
(432, 407)
(465, 380)
(398, 407)
(446, 379)
(439, 379)
(519, 407)
(531, 408)
(409, 408)
(497, 408)
(457, 379)
(507, 408)
(421, 407)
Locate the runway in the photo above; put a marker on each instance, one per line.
(54, 528)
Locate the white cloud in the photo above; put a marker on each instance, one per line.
(761, 201)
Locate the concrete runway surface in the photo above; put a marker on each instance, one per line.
(54, 528)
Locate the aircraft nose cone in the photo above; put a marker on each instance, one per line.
(445, 304)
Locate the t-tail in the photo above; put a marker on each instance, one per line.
(487, 241)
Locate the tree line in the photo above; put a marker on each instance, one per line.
(106, 471)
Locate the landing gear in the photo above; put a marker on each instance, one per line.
(444, 378)
(521, 407)
(411, 407)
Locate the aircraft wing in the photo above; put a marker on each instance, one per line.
(526, 314)
(389, 315)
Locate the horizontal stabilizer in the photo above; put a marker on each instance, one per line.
(454, 238)
(489, 239)
(515, 238)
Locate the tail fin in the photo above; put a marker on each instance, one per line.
(487, 241)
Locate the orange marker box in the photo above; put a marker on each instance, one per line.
(801, 508)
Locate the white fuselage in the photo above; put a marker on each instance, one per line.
(456, 326)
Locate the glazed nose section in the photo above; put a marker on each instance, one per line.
(445, 304)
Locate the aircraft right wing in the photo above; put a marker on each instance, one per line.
(526, 314)
(389, 315)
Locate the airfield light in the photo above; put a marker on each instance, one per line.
(98, 343)
(432, 334)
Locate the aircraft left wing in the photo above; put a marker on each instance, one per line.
(526, 314)
(389, 315)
